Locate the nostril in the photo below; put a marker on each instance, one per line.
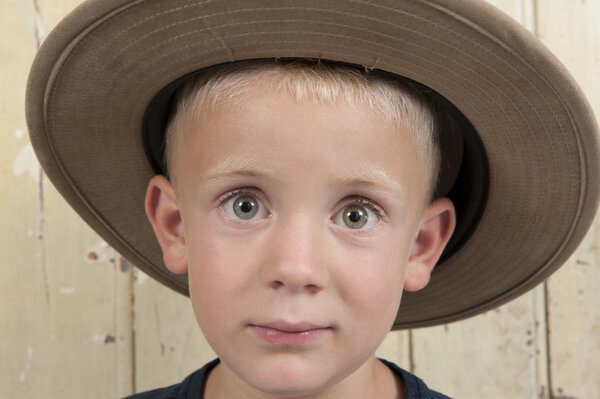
(314, 288)
(276, 284)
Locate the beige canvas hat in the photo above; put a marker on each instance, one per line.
(528, 184)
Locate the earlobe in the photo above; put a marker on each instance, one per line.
(163, 212)
(436, 229)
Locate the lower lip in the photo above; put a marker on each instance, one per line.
(273, 336)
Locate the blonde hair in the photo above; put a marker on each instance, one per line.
(398, 102)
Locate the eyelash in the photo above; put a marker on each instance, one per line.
(236, 193)
(369, 204)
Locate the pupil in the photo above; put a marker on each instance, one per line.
(246, 206)
(354, 216)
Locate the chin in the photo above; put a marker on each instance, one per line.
(289, 386)
(290, 375)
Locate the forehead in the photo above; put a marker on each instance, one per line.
(272, 133)
(390, 101)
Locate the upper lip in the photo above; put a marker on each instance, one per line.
(287, 326)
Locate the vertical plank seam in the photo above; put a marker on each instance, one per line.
(541, 336)
(37, 17)
(534, 19)
(40, 237)
(134, 384)
(124, 325)
(411, 355)
(547, 337)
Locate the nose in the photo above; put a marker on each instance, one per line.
(297, 261)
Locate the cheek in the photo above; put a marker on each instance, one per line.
(218, 273)
(214, 258)
(373, 288)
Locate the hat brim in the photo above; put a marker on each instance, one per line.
(98, 70)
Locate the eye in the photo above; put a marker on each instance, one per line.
(358, 215)
(244, 206)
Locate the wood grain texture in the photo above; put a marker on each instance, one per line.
(166, 335)
(570, 30)
(66, 303)
(21, 277)
(396, 347)
(488, 356)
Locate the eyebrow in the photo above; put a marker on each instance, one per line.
(363, 175)
(372, 178)
(236, 173)
(234, 167)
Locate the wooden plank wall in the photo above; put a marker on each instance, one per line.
(77, 321)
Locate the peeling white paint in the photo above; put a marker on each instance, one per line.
(41, 28)
(100, 253)
(66, 290)
(23, 375)
(26, 162)
(139, 276)
(19, 133)
(98, 337)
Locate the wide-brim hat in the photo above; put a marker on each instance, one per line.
(528, 187)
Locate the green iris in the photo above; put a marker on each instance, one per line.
(245, 207)
(355, 216)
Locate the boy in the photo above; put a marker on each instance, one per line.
(304, 209)
(300, 215)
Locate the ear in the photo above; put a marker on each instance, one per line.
(436, 229)
(163, 212)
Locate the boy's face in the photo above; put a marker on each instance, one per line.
(293, 287)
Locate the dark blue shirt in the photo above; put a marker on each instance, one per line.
(193, 386)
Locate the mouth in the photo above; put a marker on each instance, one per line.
(290, 334)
